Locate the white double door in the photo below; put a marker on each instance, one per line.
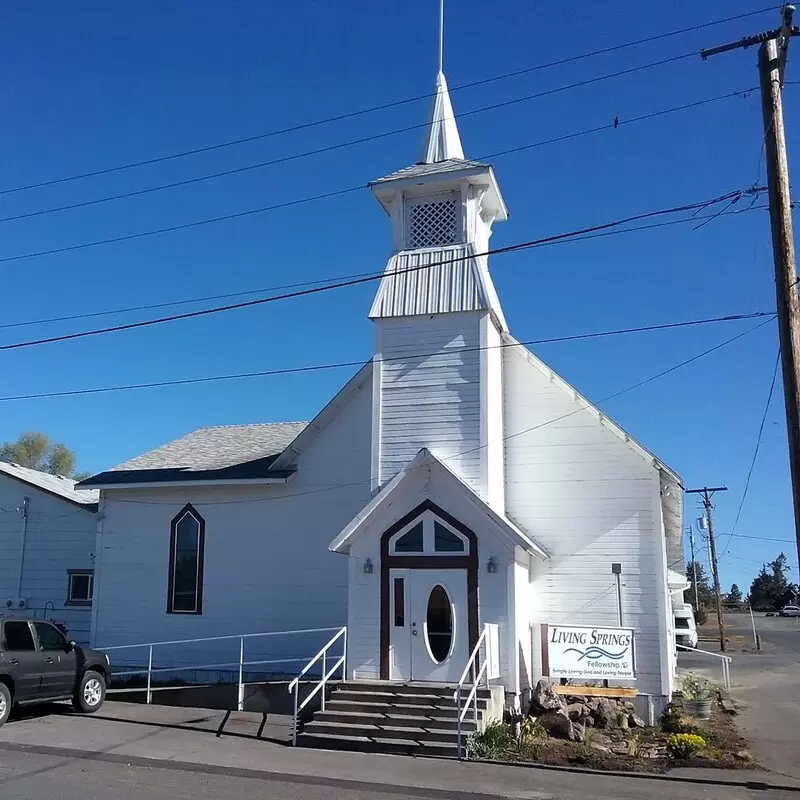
(428, 617)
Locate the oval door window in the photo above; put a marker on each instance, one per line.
(439, 624)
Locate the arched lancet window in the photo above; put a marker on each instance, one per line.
(187, 543)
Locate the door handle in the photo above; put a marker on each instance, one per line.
(13, 661)
(48, 660)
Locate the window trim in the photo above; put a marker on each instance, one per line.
(189, 510)
(428, 518)
(70, 601)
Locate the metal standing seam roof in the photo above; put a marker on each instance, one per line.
(238, 452)
(52, 484)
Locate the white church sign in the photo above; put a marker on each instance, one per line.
(584, 652)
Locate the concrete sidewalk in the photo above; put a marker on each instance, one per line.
(184, 738)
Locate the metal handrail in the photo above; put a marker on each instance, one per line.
(726, 662)
(472, 697)
(294, 686)
(240, 663)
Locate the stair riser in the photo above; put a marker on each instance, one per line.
(405, 700)
(323, 743)
(420, 735)
(399, 722)
(383, 709)
(400, 689)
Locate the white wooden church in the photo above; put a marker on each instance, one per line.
(455, 480)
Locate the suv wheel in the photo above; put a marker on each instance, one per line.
(5, 703)
(90, 693)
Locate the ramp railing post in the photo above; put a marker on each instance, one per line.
(240, 696)
(149, 676)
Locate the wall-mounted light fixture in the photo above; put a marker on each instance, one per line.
(368, 566)
(491, 564)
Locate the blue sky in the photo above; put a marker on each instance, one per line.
(91, 85)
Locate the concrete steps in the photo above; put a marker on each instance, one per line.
(385, 717)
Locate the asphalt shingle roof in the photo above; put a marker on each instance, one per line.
(423, 170)
(52, 484)
(223, 452)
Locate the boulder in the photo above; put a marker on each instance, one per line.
(556, 723)
(635, 721)
(606, 714)
(576, 711)
(544, 698)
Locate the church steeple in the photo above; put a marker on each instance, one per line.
(441, 141)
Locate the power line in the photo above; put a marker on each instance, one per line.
(375, 276)
(317, 197)
(341, 145)
(755, 452)
(638, 384)
(384, 106)
(361, 362)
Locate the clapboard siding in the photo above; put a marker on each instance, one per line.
(267, 563)
(430, 392)
(60, 536)
(589, 498)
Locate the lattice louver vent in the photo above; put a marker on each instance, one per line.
(432, 223)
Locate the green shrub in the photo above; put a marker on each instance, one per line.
(683, 745)
(494, 741)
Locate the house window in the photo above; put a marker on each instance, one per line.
(80, 587)
(187, 540)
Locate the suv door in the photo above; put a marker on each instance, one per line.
(60, 661)
(21, 659)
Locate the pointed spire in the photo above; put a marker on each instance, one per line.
(441, 140)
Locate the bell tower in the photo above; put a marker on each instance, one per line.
(438, 321)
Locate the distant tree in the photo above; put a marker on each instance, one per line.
(705, 595)
(771, 588)
(35, 450)
(735, 594)
(704, 592)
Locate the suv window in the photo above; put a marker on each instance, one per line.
(682, 622)
(49, 637)
(18, 636)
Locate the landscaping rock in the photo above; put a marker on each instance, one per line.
(544, 698)
(557, 724)
(728, 706)
(606, 714)
(635, 721)
(620, 748)
(576, 711)
(601, 747)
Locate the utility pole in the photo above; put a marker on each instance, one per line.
(694, 569)
(707, 493)
(771, 66)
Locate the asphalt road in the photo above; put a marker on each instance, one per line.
(766, 685)
(32, 776)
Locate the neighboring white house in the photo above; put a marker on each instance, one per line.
(47, 548)
(454, 481)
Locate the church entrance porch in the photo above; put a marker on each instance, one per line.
(429, 597)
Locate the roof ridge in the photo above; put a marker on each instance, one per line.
(250, 425)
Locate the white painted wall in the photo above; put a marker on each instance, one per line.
(60, 536)
(267, 564)
(431, 392)
(590, 500)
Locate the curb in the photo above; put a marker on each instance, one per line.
(652, 776)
